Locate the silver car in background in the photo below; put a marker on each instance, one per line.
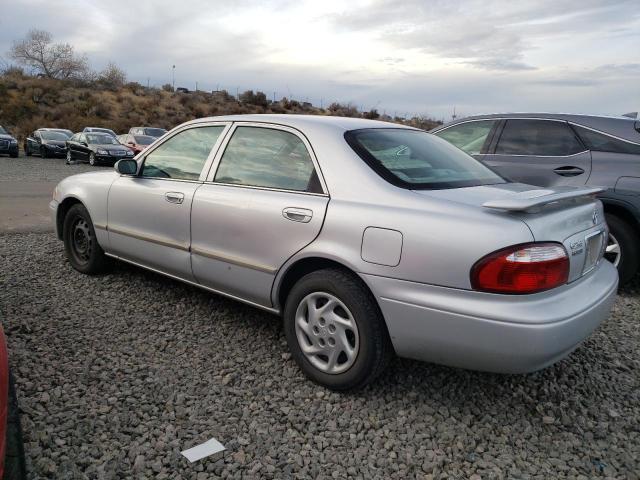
(368, 238)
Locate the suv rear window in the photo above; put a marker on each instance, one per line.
(599, 142)
(417, 160)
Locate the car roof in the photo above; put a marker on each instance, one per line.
(623, 127)
(303, 122)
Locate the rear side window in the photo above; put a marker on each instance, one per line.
(183, 156)
(265, 157)
(599, 142)
(418, 160)
(538, 137)
(468, 137)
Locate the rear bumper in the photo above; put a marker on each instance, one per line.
(490, 332)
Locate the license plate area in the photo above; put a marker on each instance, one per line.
(595, 244)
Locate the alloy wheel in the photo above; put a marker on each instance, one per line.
(613, 252)
(92, 159)
(327, 332)
(68, 157)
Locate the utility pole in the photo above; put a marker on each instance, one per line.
(454, 116)
(147, 82)
(238, 93)
(196, 86)
(173, 78)
(274, 97)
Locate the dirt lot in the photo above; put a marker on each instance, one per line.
(116, 374)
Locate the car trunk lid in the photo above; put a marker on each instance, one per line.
(568, 215)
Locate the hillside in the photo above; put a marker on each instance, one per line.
(28, 102)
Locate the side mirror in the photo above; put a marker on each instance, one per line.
(84, 144)
(130, 143)
(126, 167)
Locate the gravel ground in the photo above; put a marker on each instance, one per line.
(32, 169)
(118, 373)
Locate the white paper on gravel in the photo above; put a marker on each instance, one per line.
(210, 447)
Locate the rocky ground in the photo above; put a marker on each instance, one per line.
(117, 374)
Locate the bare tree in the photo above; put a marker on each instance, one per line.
(113, 77)
(53, 60)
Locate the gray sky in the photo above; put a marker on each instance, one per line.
(404, 56)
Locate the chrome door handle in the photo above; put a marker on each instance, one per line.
(174, 197)
(569, 171)
(302, 215)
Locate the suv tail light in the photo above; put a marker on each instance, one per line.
(521, 269)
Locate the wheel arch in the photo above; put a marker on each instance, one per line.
(298, 268)
(63, 208)
(624, 211)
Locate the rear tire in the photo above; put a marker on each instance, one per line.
(354, 324)
(80, 243)
(626, 237)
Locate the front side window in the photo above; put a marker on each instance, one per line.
(468, 137)
(599, 142)
(418, 160)
(539, 138)
(183, 156)
(265, 157)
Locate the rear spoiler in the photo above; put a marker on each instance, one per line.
(534, 200)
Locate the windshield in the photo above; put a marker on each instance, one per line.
(66, 133)
(103, 130)
(418, 160)
(144, 139)
(53, 136)
(154, 132)
(101, 139)
(3, 131)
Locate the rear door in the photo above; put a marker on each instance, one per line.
(539, 152)
(263, 201)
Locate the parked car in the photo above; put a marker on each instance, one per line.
(136, 143)
(46, 143)
(368, 238)
(560, 149)
(8, 143)
(99, 130)
(12, 462)
(95, 148)
(150, 131)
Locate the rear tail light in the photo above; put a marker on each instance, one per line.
(521, 269)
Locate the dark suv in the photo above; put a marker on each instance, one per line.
(562, 149)
(8, 144)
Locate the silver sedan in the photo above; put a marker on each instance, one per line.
(368, 238)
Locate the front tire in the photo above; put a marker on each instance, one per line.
(92, 159)
(80, 243)
(335, 330)
(43, 152)
(623, 249)
(69, 159)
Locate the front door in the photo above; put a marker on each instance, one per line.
(546, 153)
(149, 214)
(264, 201)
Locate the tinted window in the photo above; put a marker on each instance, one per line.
(183, 155)
(469, 136)
(3, 131)
(599, 142)
(53, 136)
(265, 157)
(538, 137)
(154, 132)
(142, 139)
(418, 160)
(101, 139)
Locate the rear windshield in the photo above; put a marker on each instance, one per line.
(143, 139)
(417, 160)
(155, 132)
